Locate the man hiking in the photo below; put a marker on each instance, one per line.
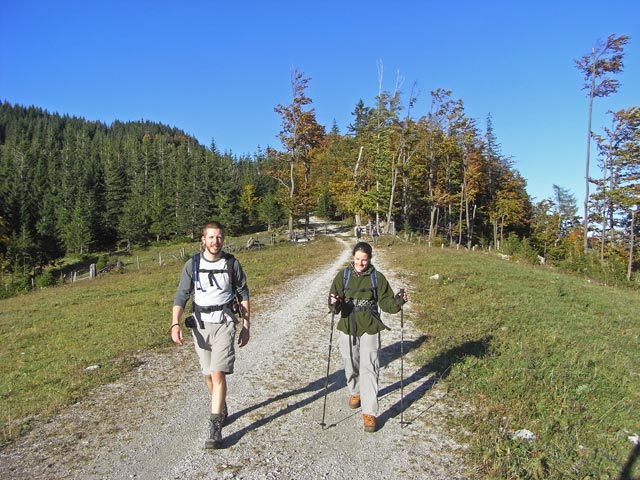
(215, 279)
(358, 232)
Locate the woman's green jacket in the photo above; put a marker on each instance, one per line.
(360, 294)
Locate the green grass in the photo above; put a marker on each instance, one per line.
(526, 347)
(49, 337)
(532, 349)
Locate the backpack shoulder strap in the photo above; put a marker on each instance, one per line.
(195, 272)
(231, 262)
(346, 274)
(195, 266)
(374, 284)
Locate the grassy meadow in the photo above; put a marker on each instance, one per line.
(530, 348)
(49, 337)
(524, 347)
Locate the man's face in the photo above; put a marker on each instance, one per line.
(212, 240)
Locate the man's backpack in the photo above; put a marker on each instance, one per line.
(231, 261)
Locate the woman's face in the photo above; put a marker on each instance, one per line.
(360, 261)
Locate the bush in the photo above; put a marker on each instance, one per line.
(520, 249)
(102, 262)
(613, 271)
(19, 285)
(47, 279)
(436, 241)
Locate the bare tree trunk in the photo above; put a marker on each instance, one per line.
(432, 213)
(603, 234)
(394, 180)
(449, 222)
(631, 243)
(607, 208)
(379, 125)
(358, 215)
(355, 170)
(462, 193)
(432, 223)
(307, 181)
(292, 188)
(585, 222)
(378, 210)
(470, 223)
(405, 198)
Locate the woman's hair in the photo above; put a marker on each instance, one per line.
(363, 247)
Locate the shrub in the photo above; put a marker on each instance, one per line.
(613, 271)
(47, 279)
(102, 262)
(17, 286)
(520, 249)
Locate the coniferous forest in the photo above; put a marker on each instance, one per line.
(74, 186)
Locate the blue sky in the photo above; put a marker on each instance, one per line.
(217, 69)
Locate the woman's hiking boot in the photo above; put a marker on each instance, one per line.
(215, 432)
(369, 423)
(354, 401)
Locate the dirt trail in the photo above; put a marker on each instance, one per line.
(152, 424)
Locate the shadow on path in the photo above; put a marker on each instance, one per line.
(337, 382)
(627, 470)
(440, 366)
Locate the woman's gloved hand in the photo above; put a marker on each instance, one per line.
(335, 303)
(400, 298)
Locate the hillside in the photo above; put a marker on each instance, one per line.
(152, 423)
(495, 348)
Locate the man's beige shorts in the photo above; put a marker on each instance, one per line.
(215, 346)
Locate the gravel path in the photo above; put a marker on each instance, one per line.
(152, 424)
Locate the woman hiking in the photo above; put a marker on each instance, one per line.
(358, 293)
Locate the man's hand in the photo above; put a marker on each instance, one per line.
(244, 336)
(176, 334)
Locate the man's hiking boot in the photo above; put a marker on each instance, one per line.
(225, 414)
(354, 401)
(369, 423)
(215, 432)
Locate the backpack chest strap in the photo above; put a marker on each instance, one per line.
(212, 278)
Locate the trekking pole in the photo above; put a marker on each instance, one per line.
(326, 382)
(402, 360)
